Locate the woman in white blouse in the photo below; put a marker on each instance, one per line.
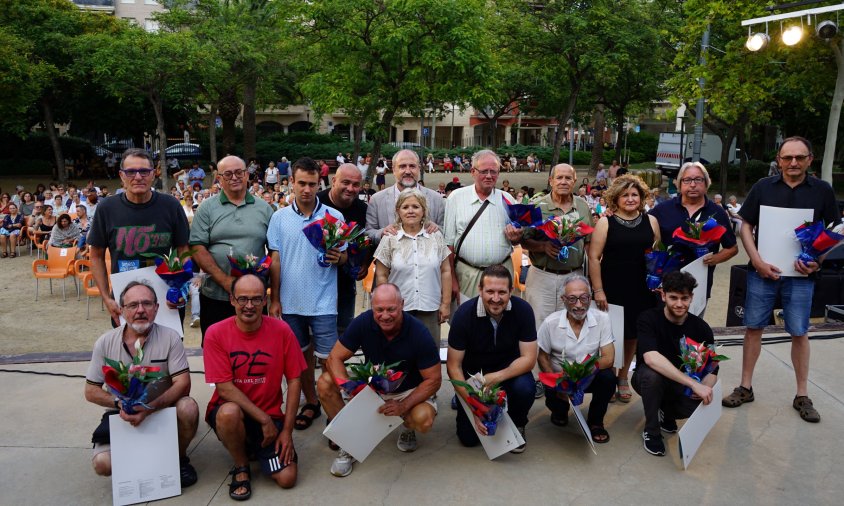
(417, 262)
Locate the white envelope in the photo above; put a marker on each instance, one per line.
(776, 241)
(165, 316)
(145, 459)
(698, 425)
(359, 427)
(506, 437)
(701, 273)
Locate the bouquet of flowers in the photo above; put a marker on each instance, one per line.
(564, 233)
(659, 261)
(249, 264)
(129, 383)
(329, 232)
(384, 379)
(700, 236)
(176, 270)
(524, 215)
(698, 359)
(487, 402)
(574, 379)
(358, 250)
(815, 241)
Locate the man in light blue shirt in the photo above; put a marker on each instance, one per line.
(306, 297)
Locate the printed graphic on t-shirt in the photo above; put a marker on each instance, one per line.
(256, 366)
(134, 240)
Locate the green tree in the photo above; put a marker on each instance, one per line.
(407, 56)
(22, 78)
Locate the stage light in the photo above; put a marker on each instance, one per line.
(792, 35)
(827, 29)
(757, 42)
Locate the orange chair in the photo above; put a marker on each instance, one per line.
(516, 257)
(91, 290)
(59, 265)
(367, 282)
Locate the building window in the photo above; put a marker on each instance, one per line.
(150, 2)
(150, 25)
(127, 1)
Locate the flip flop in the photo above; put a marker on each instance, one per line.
(599, 434)
(624, 393)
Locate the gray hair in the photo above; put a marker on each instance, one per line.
(688, 165)
(483, 154)
(571, 278)
(414, 193)
(399, 152)
(133, 284)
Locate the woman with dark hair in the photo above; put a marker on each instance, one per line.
(27, 204)
(10, 230)
(65, 233)
(45, 224)
(39, 191)
(617, 262)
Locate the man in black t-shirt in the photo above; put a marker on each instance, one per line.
(343, 196)
(658, 378)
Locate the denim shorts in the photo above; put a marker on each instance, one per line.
(796, 296)
(323, 328)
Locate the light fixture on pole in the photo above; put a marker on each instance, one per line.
(757, 41)
(827, 29)
(792, 35)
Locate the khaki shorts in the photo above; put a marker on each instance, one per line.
(403, 395)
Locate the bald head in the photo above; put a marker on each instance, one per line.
(346, 185)
(231, 162)
(387, 306)
(386, 292)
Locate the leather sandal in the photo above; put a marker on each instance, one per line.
(236, 484)
(807, 411)
(304, 421)
(739, 396)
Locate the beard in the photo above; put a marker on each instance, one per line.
(140, 328)
(578, 315)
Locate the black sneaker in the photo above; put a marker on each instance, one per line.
(539, 390)
(520, 448)
(187, 474)
(654, 444)
(668, 425)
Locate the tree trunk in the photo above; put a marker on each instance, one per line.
(378, 138)
(598, 145)
(249, 135)
(742, 181)
(726, 141)
(562, 119)
(60, 172)
(212, 133)
(619, 127)
(229, 109)
(358, 139)
(834, 113)
(158, 107)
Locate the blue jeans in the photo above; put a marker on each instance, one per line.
(796, 302)
(520, 396)
(323, 328)
(602, 389)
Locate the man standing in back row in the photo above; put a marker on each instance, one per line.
(791, 188)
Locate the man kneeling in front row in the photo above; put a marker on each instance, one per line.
(658, 378)
(162, 347)
(387, 334)
(246, 357)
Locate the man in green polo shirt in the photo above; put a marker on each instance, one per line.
(544, 285)
(234, 223)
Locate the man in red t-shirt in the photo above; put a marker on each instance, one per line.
(246, 357)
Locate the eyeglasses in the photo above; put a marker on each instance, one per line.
(235, 173)
(131, 173)
(146, 304)
(573, 299)
(487, 172)
(798, 158)
(695, 180)
(256, 301)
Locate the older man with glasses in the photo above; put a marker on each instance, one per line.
(572, 334)
(134, 223)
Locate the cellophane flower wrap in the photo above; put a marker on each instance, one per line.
(564, 233)
(487, 402)
(329, 232)
(659, 261)
(384, 379)
(250, 264)
(698, 360)
(129, 382)
(358, 251)
(523, 215)
(815, 241)
(177, 271)
(574, 378)
(700, 236)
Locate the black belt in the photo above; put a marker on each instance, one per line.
(556, 271)
(480, 268)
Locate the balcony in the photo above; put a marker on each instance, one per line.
(96, 5)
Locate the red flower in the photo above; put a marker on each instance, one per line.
(112, 379)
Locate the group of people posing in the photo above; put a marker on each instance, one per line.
(436, 260)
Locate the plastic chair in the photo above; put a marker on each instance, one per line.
(58, 265)
(91, 290)
(367, 282)
(516, 257)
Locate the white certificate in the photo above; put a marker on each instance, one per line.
(617, 325)
(145, 459)
(698, 425)
(701, 273)
(776, 241)
(359, 427)
(581, 422)
(506, 436)
(166, 316)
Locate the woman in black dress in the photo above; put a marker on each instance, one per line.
(617, 262)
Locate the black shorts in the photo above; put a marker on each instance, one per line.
(254, 436)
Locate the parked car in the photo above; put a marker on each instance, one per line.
(182, 150)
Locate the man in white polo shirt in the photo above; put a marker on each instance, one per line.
(571, 334)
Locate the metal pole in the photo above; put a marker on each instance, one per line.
(699, 110)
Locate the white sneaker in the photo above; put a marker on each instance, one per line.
(407, 441)
(342, 465)
(194, 323)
